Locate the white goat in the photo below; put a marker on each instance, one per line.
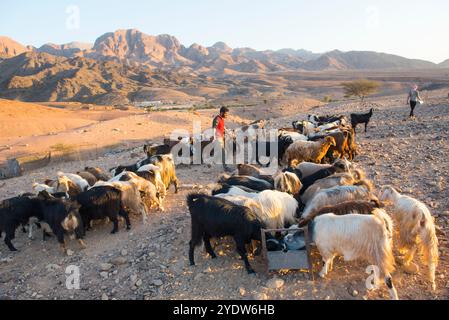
(43, 187)
(275, 209)
(76, 179)
(337, 195)
(416, 230)
(364, 237)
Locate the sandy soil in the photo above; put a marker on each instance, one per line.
(31, 128)
(408, 154)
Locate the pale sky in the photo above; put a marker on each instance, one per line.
(413, 29)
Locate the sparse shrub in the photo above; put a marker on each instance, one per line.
(327, 99)
(360, 88)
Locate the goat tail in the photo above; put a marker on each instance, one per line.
(383, 249)
(430, 245)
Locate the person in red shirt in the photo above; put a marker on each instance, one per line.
(219, 127)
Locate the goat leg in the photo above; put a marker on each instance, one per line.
(242, 251)
(115, 222)
(192, 253)
(208, 247)
(8, 242)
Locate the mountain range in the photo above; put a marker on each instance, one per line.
(166, 52)
(128, 65)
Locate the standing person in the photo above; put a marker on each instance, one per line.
(413, 99)
(219, 133)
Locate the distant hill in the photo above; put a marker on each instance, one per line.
(69, 50)
(36, 77)
(364, 60)
(10, 48)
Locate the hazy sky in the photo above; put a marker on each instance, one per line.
(414, 29)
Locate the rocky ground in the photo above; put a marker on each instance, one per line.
(150, 262)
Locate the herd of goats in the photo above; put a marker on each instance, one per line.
(318, 187)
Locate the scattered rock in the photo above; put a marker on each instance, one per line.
(104, 275)
(118, 261)
(275, 283)
(124, 252)
(158, 283)
(106, 266)
(104, 297)
(260, 297)
(242, 292)
(52, 267)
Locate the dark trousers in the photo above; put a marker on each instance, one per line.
(412, 107)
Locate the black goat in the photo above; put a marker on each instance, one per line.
(357, 119)
(310, 180)
(215, 218)
(102, 202)
(224, 188)
(248, 182)
(14, 213)
(153, 150)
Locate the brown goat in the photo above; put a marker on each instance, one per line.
(309, 151)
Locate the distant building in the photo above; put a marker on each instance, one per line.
(146, 104)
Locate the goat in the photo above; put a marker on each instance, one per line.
(98, 173)
(147, 189)
(76, 179)
(416, 229)
(344, 208)
(89, 177)
(337, 195)
(214, 217)
(339, 179)
(367, 237)
(357, 118)
(167, 170)
(225, 188)
(288, 182)
(246, 181)
(102, 202)
(42, 187)
(67, 186)
(62, 216)
(253, 171)
(274, 209)
(308, 151)
(308, 168)
(153, 150)
(152, 173)
(16, 212)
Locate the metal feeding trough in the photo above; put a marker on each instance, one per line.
(288, 259)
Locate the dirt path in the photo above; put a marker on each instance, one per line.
(407, 154)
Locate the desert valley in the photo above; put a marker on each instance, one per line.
(83, 105)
